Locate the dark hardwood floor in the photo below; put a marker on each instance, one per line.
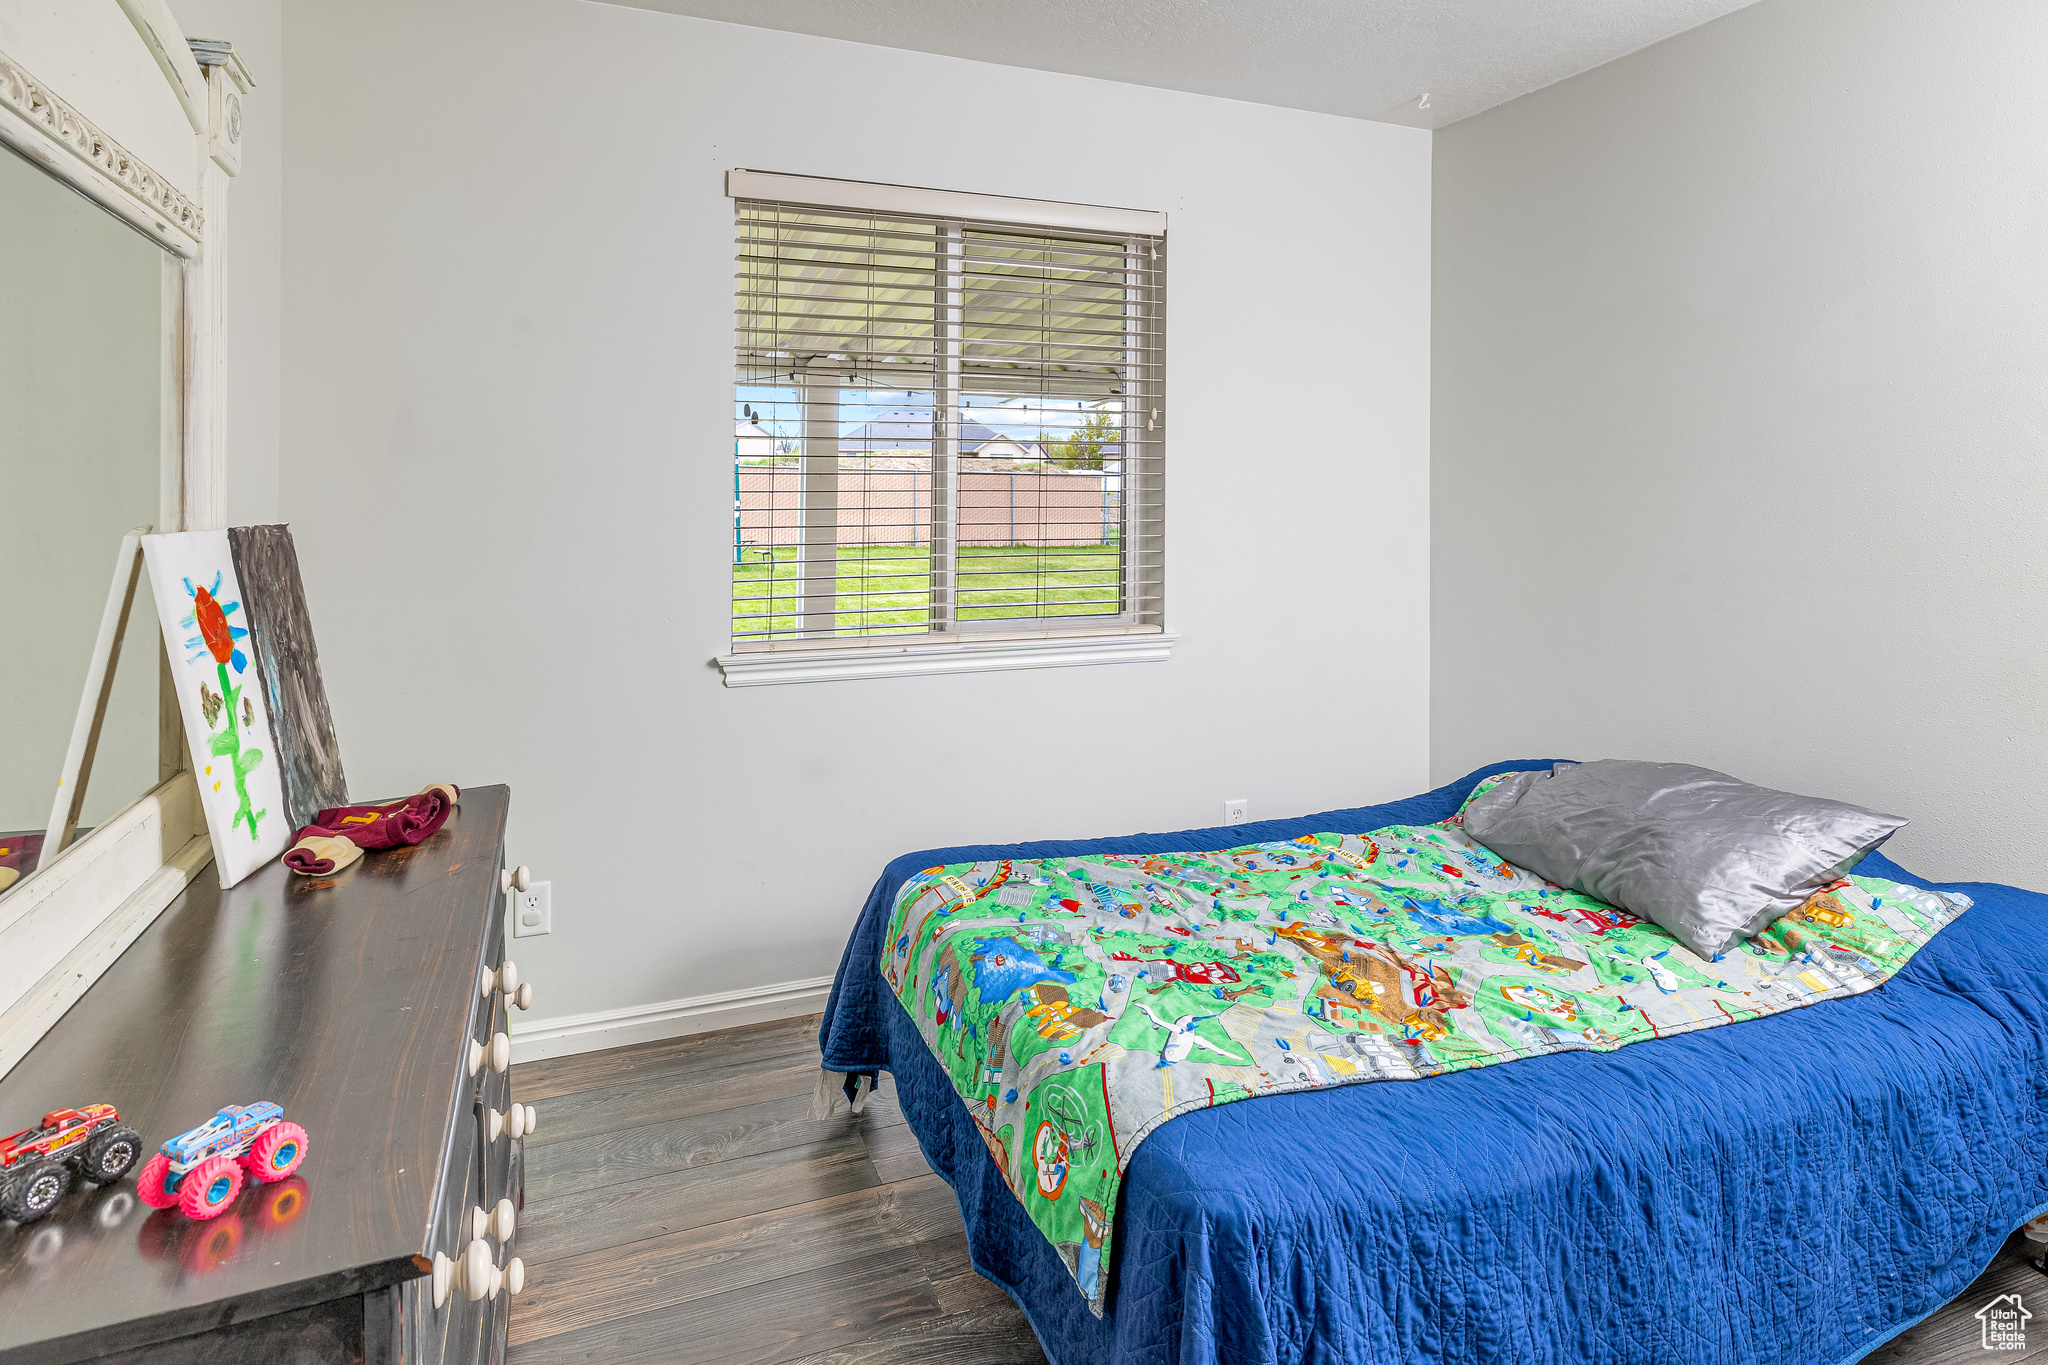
(681, 1208)
(1954, 1336)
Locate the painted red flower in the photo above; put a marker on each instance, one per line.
(213, 626)
(216, 636)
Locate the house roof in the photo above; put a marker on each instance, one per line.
(913, 431)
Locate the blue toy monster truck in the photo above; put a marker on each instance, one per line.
(201, 1171)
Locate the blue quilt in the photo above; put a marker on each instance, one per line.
(1792, 1189)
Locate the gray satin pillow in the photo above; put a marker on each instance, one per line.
(1711, 859)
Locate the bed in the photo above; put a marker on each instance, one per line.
(1798, 1188)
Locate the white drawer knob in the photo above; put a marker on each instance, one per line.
(501, 1052)
(523, 997)
(515, 1276)
(516, 1121)
(514, 878)
(472, 1273)
(504, 1221)
(479, 1222)
(476, 1056)
(479, 1276)
(505, 979)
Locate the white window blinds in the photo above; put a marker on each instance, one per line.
(944, 425)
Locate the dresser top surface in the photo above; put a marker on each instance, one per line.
(347, 1000)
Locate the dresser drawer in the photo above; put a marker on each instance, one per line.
(480, 1175)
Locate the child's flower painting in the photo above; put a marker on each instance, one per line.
(227, 721)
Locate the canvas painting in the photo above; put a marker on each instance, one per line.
(288, 665)
(227, 721)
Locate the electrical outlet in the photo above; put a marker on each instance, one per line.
(532, 911)
(1236, 810)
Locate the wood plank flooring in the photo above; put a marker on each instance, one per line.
(1953, 1336)
(680, 1208)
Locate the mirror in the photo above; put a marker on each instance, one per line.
(88, 350)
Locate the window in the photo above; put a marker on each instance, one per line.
(948, 432)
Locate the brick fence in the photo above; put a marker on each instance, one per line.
(894, 507)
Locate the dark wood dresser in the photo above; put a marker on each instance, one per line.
(360, 1003)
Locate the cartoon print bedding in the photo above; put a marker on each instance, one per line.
(1079, 1003)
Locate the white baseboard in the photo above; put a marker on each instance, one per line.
(533, 1040)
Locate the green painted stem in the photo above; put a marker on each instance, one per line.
(228, 744)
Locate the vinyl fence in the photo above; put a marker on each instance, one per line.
(894, 507)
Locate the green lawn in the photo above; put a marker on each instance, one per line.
(889, 585)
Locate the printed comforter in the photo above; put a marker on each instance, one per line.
(1795, 1190)
(1079, 1003)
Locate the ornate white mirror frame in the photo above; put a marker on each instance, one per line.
(111, 98)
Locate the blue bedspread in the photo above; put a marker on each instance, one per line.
(1791, 1189)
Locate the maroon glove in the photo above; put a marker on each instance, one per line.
(390, 825)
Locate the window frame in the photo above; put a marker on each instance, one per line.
(1137, 631)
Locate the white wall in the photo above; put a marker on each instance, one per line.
(508, 297)
(1739, 416)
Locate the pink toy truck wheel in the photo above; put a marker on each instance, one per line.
(208, 1188)
(277, 1151)
(149, 1182)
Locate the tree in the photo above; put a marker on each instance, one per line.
(1081, 448)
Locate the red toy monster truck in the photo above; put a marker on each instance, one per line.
(37, 1164)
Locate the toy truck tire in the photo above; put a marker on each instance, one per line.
(150, 1182)
(277, 1151)
(208, 1188)
(28, 1195)
(110, 1154)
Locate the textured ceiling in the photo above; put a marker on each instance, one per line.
(1369, 59)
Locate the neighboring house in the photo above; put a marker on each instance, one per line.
(1058, 421)
(749, 442)
(999, 447)
(913, 431)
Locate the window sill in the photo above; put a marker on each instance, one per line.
(968, 655)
